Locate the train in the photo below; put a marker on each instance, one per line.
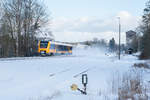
(51, 48)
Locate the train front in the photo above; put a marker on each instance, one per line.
(43, 47)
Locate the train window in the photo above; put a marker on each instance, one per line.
(65, 48)
(60, 48)
(43, 44)
(52, 46)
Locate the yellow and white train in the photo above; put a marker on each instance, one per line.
(53, 48)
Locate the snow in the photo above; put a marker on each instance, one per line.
(46, 78)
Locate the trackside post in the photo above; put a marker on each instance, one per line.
(74, 87)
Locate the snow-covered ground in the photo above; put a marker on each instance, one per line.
(50, 78)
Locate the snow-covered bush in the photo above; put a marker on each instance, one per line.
(132, 86)
(129, 85)
(141, 65)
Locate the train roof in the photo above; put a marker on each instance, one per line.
(59, 43)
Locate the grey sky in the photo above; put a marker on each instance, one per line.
(93, 18)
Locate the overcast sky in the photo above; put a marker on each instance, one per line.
(80, 20)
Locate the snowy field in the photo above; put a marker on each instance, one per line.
(50, 78)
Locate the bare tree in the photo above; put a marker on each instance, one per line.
(23, 18)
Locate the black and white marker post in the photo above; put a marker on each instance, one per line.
(74, 87)
(84, 82)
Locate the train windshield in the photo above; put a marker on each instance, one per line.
(43, 44)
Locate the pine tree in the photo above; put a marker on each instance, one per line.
(146, 33)
(112, 45)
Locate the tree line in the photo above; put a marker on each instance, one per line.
(145, 30)
(142, 41)
(20, 22)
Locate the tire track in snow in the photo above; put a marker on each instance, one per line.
(81, 73)
(63, 71)
(35, 58)
(89, 69)
(69, 69)
(6, 80)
